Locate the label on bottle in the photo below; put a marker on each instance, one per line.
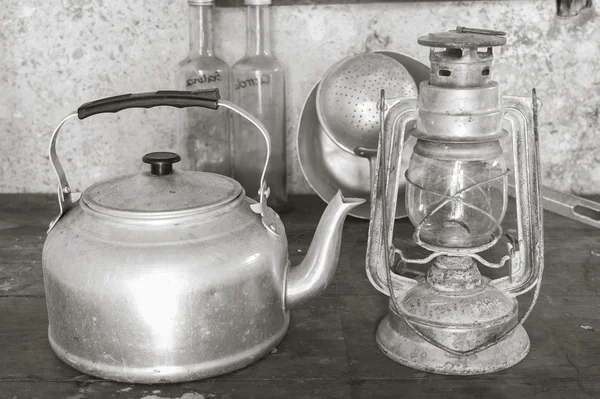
(205, 139)
(203, 79)
(251, 82)
(261, 93)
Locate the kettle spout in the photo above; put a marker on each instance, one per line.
(315, 272)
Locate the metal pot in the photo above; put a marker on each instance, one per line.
(168, 275)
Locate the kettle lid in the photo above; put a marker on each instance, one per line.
(161, 191)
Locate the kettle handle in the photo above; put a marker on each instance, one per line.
(181, 99)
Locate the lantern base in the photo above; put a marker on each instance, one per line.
(398, 342)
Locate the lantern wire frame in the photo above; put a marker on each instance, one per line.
(390, 251)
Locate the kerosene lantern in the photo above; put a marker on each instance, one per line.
(454, 320)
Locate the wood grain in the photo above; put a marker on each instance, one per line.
(210, 389)
(330, 350)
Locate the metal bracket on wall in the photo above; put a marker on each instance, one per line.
(240, 3)
(565, 8)
(570, 8)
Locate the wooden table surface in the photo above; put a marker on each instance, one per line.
(330, 350)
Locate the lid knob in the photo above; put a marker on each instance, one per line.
(161, 163)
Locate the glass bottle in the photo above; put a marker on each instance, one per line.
(258, 85)
(204, 134)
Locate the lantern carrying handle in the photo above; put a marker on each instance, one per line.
(180, 99)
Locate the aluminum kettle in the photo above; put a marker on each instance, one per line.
(168, 276)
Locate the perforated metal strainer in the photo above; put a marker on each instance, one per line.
(347, 97)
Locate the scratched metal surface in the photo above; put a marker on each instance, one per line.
(330, 350)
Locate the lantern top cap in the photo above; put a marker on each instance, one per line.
(463, 37)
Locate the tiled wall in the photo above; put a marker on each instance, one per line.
(56, 55)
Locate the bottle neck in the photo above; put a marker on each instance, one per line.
(257, 30)
(201, 30)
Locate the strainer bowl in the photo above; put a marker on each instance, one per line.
(329, 168)
(347, 97)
